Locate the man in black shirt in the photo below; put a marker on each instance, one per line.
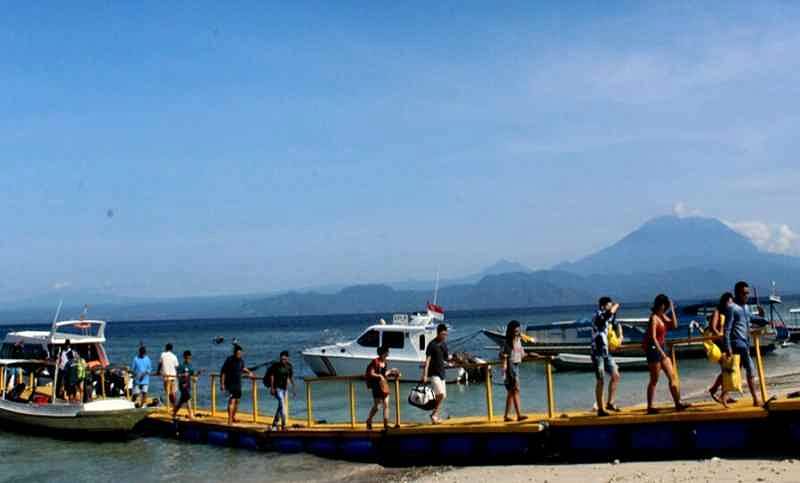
(435, 369)
(231, 380)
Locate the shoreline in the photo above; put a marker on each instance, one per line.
(714, 469)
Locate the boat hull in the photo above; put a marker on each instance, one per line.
(70, 420)
(325, 365)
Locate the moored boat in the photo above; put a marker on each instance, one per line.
(407, 338)
(27, 404)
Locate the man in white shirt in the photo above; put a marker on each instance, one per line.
(168, 368)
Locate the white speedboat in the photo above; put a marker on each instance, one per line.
(407, 338)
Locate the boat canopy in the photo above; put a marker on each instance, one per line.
(76, 331)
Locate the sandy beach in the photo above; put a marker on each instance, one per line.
(713, 470)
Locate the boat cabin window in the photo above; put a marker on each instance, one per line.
(23, 351)
(422, 342)
(393, 340)
(370, 338)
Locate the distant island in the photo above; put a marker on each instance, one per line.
(687, 258)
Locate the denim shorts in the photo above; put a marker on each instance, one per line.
(654, 355)
(604, 363)
(512, 376)
(744, 356)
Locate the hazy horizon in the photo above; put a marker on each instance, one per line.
(151, 151)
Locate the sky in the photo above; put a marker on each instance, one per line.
(162, 149)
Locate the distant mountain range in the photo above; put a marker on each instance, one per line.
(683, 257)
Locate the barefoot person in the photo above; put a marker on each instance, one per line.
(377, 380)
(512, 354)
(435, 369)
(280, 376)
(716, 328)
(737, 336)
(604, 320)
(657, 359)
(184, 374)
(231, 380)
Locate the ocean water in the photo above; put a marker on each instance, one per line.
(27, 458)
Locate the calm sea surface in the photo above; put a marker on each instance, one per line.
(38, 459)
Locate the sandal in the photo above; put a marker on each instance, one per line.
(715, 397)
(652, 411)
(369, 425)
(522, 417)
(612, 407)
(682, 406)
(507, 419)
(602, 413)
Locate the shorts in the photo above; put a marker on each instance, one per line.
(512, 377)
(744, 358)
(72, 389)
(140, 388)
(234, 392)
(185, 396)
(377, 392)
(654, 356)
(604, 363)
(438, 385)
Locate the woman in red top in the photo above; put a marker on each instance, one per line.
(377, 380)
(657, 359)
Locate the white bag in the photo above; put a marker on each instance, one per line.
(421, 396)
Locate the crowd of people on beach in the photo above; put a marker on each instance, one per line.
(729, 327)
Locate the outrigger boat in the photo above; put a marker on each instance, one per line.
(407, 338)
(574, 336)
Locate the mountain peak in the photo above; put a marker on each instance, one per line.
(669, 243)
(504, 266)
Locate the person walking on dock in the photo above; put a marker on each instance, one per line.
(278, 378)
(231, 380)
(377, 381)
(737, 335)
(605, 320)
(167, 368)
(436, 369)
(141, 367)
(657, 359)
(512, 354)
(184, 374)
(716, 328)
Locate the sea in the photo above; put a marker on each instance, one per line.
(28, 458)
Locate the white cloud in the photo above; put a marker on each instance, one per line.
(773, 238)
(682, 210)
(61, 285)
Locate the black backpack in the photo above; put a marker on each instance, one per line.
(270, 372)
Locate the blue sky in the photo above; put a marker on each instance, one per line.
(253, 147)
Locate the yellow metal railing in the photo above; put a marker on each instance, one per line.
(351, 397)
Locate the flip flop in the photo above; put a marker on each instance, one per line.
(652, 411)
(682, 406)
(715, 397)
(612, 407)
(522, 418)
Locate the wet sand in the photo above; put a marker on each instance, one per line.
(713, 470)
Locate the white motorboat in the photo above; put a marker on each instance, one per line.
(27, 404)
(407, 338)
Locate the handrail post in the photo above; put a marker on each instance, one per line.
(351, 392)
(255, 399)
(126, 379)
(675, 367)
(3, 380)
(309, 410)
(551, 403)
(760, 366)
(397, 402)
(213, 395)
(103, 382)
(195, 380)
(30, 380)
(489, 395)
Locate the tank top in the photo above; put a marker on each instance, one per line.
(661, 335)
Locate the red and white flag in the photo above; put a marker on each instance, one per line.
(435, 311)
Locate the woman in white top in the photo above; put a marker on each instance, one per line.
(512, 355)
